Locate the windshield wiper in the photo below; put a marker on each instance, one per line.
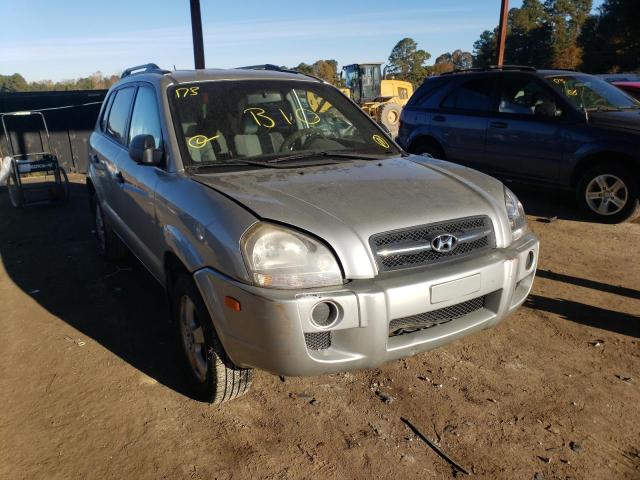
(233, 163)
(303, 156)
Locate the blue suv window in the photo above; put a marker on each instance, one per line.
(471, 95)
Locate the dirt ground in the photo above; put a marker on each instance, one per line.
(91, 387)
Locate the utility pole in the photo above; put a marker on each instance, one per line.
(196, 31)
(502, 31)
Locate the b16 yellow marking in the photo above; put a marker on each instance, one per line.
(199, 141)
(380, 141)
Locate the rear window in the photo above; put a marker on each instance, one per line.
(426, 90)
(472, 95)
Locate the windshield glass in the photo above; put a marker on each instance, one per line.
(591, 93)
(222, 122)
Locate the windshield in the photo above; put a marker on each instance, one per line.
(590, 93)
(223, 122)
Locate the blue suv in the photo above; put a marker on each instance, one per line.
(554, 127)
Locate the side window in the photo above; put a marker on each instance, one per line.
(145, 119)
(403, 94)
(117, 122)
(105, 112)
(471, 95)
(523, 95)
(426, 91)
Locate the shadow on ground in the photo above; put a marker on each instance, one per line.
(597, 317)
(49, 252)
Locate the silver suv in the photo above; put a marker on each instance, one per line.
(290, 232)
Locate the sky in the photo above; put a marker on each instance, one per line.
(57, 40)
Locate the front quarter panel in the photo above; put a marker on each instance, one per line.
(201, 226)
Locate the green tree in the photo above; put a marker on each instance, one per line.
(456, 60)
(484, 49)
(566, 18)
(13, 83)
(407, 62)
(610, 39)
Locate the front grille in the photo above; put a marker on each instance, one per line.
(435, 317)
(318, 340)
(475, 235)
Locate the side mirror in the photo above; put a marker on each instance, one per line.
(547, 109)
(143, 150)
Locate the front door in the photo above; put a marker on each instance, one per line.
(136, 196)
(525, 136)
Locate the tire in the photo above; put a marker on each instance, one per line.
(608, 193)
(110, 247)
(16, 195)
(428, 148)
(390, 115)
(213, 376)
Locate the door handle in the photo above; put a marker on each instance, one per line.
(498, 125)
(439, 118)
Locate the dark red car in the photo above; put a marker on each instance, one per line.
(632, 88)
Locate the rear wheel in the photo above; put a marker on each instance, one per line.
(109, 245)
(608, 193)
(213, 376)
(426, 147)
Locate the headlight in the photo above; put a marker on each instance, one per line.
(278, 257)
(515, 213)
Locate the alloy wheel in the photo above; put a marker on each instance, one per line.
(606, 194)
(193, 338)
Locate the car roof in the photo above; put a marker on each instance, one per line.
(497, 71)
(212, 74)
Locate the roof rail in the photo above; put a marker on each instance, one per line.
(275, 68)
(267, 66)
(146, 68)
(522, 68)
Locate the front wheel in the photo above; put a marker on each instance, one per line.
(608, 193)
(212, 374)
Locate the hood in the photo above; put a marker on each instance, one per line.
(346, 203)
(620, 120)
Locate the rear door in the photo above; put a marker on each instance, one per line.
(135, 198)
(525, 137)
(460, 125)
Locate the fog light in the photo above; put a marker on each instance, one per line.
(325, 314)
(530, 259)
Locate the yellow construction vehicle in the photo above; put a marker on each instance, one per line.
(380, 97)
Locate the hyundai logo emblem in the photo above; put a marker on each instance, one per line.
(444, 243)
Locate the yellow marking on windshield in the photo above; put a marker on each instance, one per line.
(260, 117)
(182, 92)
(380, 141)
(301, 113)
(573, 92)
(288, 119)
(199, 141)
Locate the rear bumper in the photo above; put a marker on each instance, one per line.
(269, 331)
